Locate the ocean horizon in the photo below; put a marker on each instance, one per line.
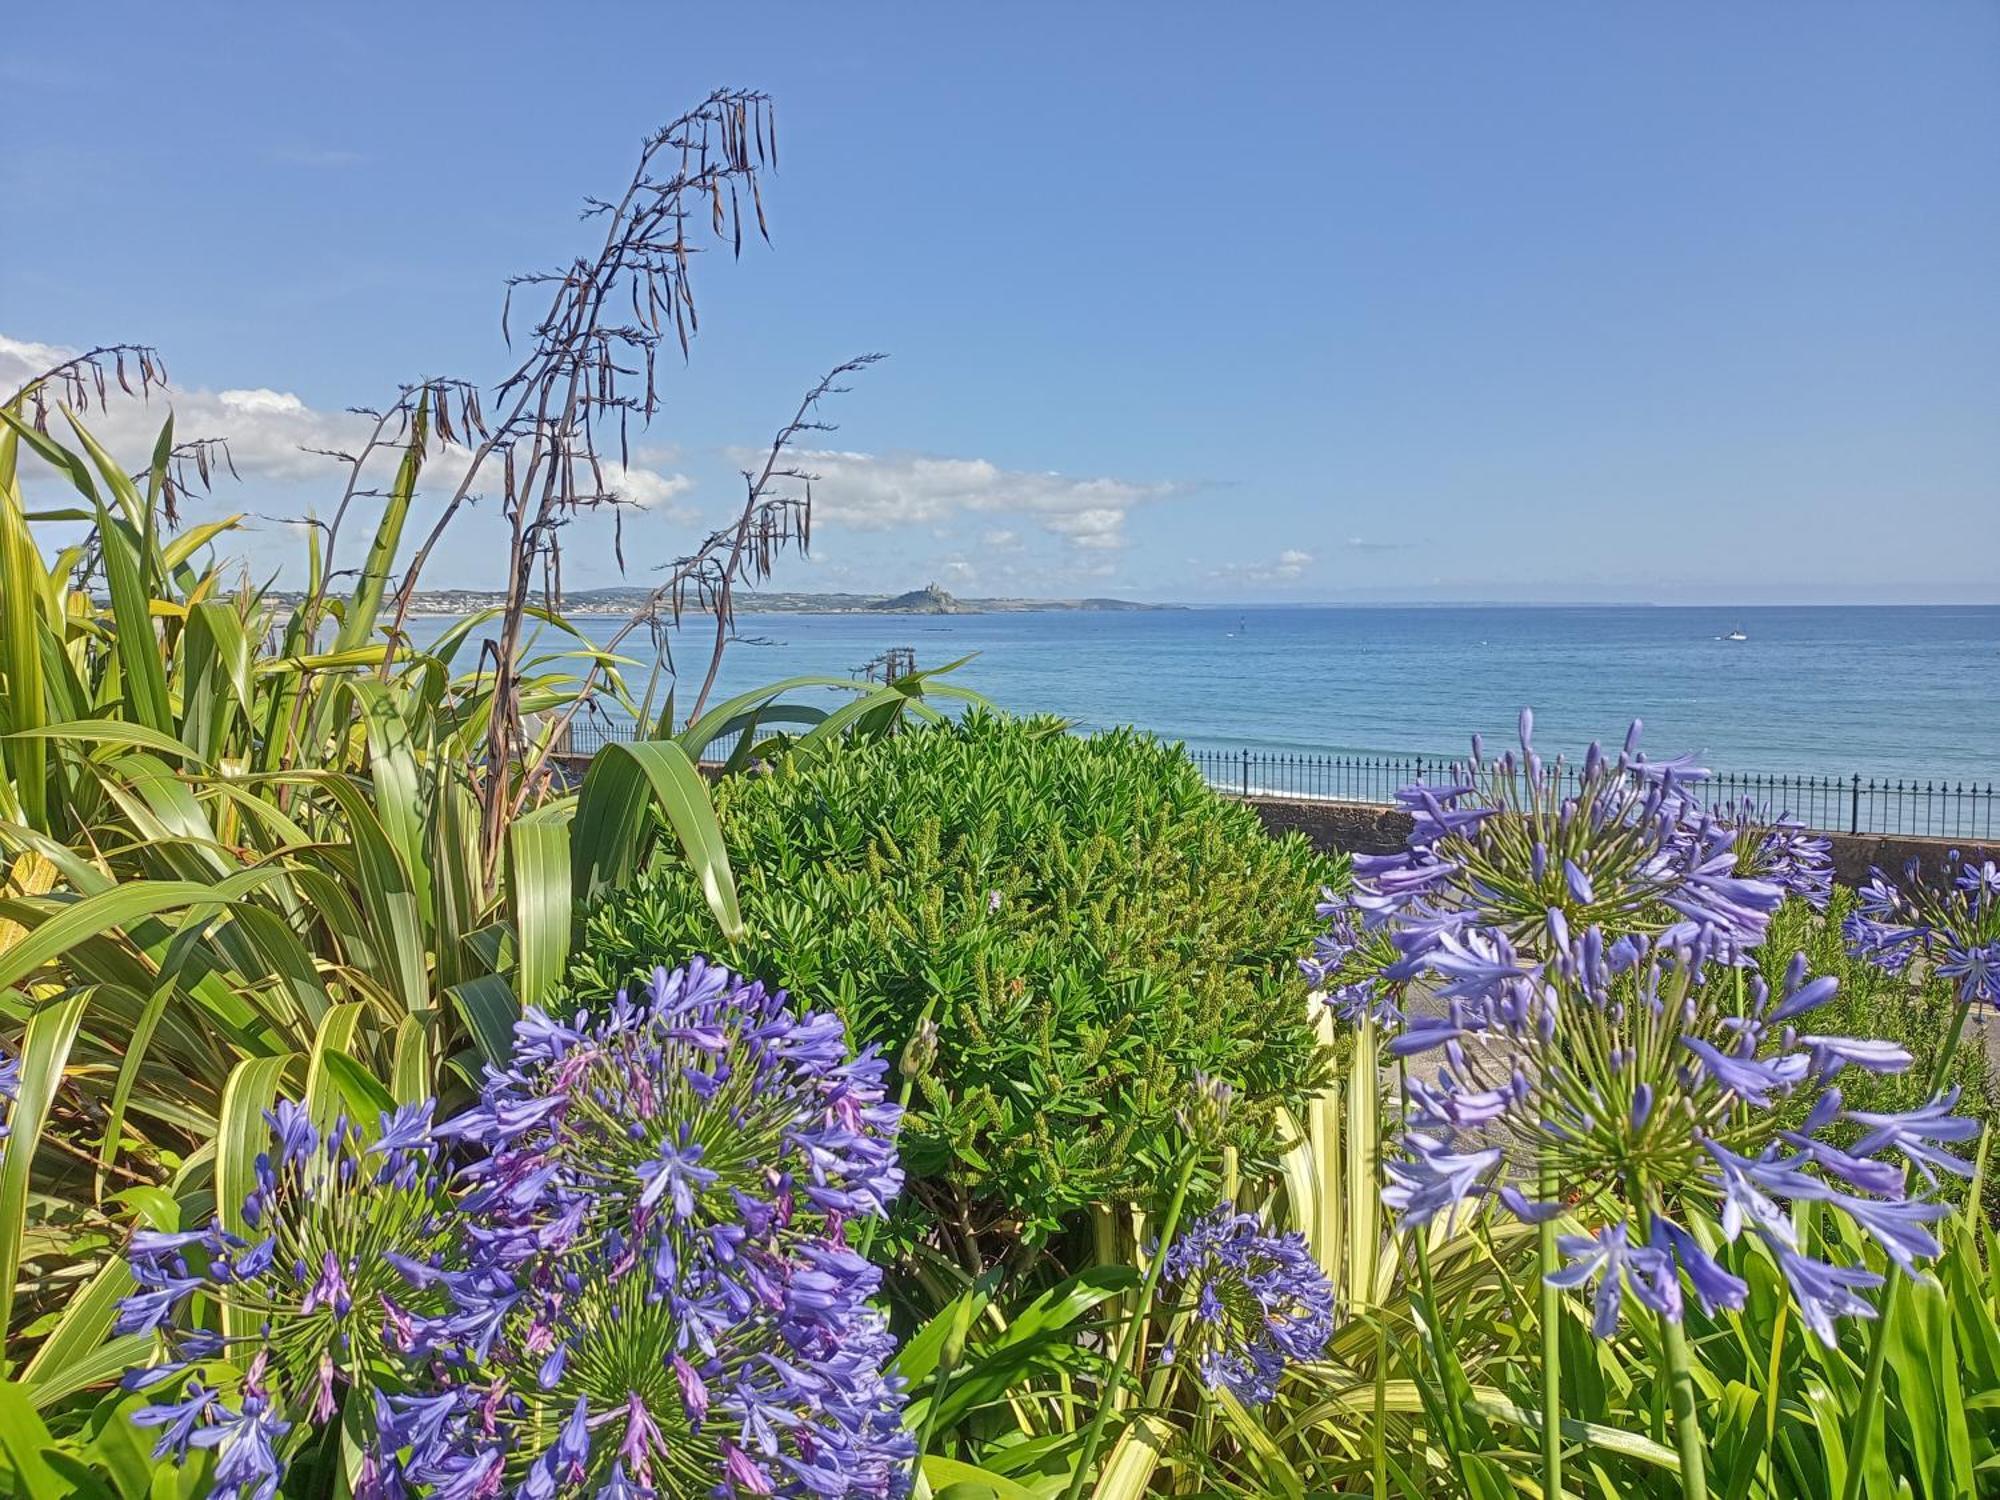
(1877, 690)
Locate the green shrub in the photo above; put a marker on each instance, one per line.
(1085, 921)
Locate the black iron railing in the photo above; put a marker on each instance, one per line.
(1853, 803)
(1833, 804)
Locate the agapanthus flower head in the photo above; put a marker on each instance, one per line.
(1775, 847)
(1651, 1084)
(1532, 851)
(604, 1373)
(661, 1301)
(313, 1289)
(1951, 920)
(10, 1090)
(1255, 1302)
(708, 1112)
(1355, 965)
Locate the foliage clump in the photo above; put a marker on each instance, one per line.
(1086, 924)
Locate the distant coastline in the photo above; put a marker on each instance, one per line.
(448, 604)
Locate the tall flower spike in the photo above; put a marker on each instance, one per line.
(331, 1223)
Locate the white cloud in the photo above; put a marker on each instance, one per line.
(270, 431)
(1288, 567)
(879, 492)
(999, 539)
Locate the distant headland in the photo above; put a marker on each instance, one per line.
(929, 600)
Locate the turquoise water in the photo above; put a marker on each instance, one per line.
(1885, 691)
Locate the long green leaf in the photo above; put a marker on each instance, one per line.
(25, 1444)
(25, 706)
(44, 1054)
(142, 664)
(490, 1011)
(241, 1135)
(325, 1099)
(538, 879)
(963, 1481)
(75, 1353)
(410, 1080)
(53, 933)
(114, 732)
(712, 725)
(610, 826)
(388, 889)
(396, 783)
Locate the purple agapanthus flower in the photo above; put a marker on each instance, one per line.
(10, 1090)
(1255, 1302)
(1646, 1082)
(1950, 921)
(660, 1299)
(708, 1109)
(637, 1286)
(1511, 856)
(1776, 847)
(309, 1283)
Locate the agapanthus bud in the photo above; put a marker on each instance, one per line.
(920, 1053)
(1207, 1110)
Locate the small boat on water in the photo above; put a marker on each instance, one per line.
(1734, 635)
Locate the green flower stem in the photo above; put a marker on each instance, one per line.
(1551, 1344)
(1128, 1340)
(930, 1423)
(1381, 1475)
(1892, 1296)
(1680, 1395)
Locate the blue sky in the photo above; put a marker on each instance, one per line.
(1312, 302)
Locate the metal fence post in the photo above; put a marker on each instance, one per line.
(1854, 806)
(1246, 773)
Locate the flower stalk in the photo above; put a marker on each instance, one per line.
(1551, 1294)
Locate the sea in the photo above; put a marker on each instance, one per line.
(1880, 691)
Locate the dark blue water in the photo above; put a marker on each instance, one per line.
(1887, 691)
